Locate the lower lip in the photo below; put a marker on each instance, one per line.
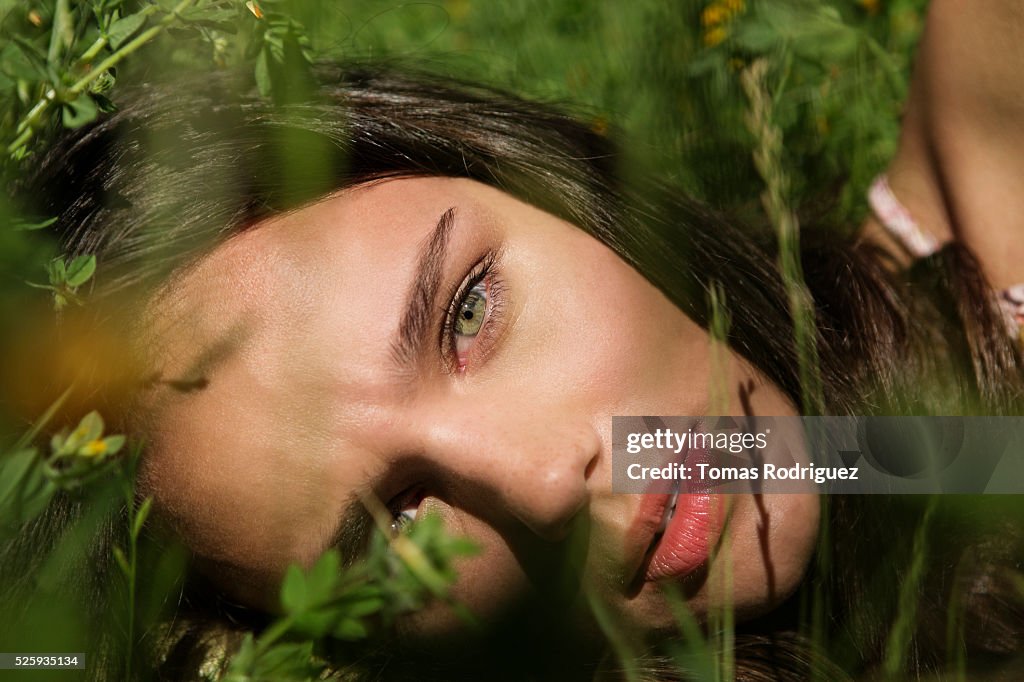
(688, 539)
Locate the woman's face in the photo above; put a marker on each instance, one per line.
(446, 348)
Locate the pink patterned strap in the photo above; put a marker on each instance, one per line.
(895, 217)
(1012, 302)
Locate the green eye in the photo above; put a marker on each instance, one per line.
(471, 313)
(403, 520)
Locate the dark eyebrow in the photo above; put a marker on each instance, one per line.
(416, 321)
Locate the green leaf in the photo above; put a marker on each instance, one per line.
(114, 444)
(34, 226)
(242, 661)
(219, 19)
(293, 590)
(287, 661)
(89, 429)
(350, 629)
(140, 517)
(80, 270)
(263, 82)
(103, 83)
(122, 561)
(323, 578)
(79, 112)
(30, 62)
(57, 442)
(364, 607)
(123, 29)
(104, 103)
(57, 271)
(13, 469)
(315, 624)
(32, 499)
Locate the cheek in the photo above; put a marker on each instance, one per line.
(772, 542)
(234, 481)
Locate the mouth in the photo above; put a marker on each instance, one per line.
(672, 534)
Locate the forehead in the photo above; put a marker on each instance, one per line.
(349, 254)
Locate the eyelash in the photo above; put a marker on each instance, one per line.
(484, 271)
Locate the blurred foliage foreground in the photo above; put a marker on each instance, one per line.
(789, 101)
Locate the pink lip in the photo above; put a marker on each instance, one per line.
(687, 541)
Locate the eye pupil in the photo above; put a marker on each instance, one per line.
(472, 311)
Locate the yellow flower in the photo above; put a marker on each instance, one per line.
(734, 6)
(93, 448)
(715, 36)
(713, 15)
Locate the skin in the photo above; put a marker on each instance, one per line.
(958, 165)
(306, 409)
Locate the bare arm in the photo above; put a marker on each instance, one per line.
(960, 164)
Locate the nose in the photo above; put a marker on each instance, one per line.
(516, 464)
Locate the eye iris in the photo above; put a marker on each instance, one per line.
(402, 521)
(471, 312)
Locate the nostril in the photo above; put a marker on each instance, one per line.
(591, 466)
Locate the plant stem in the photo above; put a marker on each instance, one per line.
(902, 634)
(93, 50)
(129, 495)
(719, 333)
(129, 47)
(60, 35)
(274, 633)
(41, 423)
(28, 125)
(769, 163)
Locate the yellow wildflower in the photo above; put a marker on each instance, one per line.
(713, 15)
(715, 36)
(93, 448)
